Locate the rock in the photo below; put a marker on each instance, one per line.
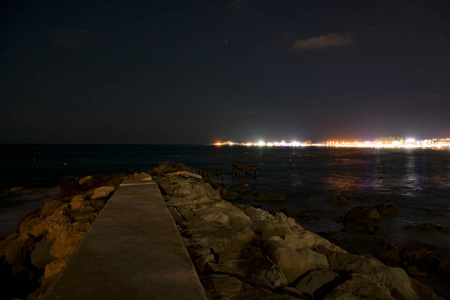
(266, 224)
(168, 168)
(362, 218)
(268, 198)
(19, 249)
(444, 266)
(50, 207)
(221, 286)
(413, 253)
(288, 212)
(336, 199)
(77, 202)
(389, 254)
(315, 280)
(424, 292)
(29, 221)
(103, 192)
(54, 268)
(185, 174)
(429, 227)
(364, 287)
(41, 256)
(293, 263)
(386, 208)
(67, 188)
(228, 194)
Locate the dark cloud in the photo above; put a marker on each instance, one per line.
(239, 5)
(323, 41)
(69, 39)
(284, 41)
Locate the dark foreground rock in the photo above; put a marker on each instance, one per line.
(245, 252)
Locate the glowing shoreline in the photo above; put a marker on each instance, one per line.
(438, 143)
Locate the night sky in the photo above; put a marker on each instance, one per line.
(243, 70)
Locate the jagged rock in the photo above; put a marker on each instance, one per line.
(225, 242)
(362, 218)
(267, 225)
(306, 239)
(19, 249)
(386, 208)
(293, 263)
(315, 280)
(67, 188)
(103, 192)
(336, 199)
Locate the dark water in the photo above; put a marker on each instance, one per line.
(416, 181)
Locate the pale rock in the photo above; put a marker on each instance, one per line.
(266, 224)
(294, 263)
(85, 179)
(185, 174)
(308, 239)
(54, 268)
(103, 192)
(217, 217)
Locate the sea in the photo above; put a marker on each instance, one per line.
(417, 181)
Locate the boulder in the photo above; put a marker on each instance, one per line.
(19, 249)
(337, 199)
(103, 192)
(268, 225)
(77, 202)
(28, 223)
(389, 254)
(363, 218)
(293, 263)
(67, 188)
(185, 174)
(50, 207)
(41, 256)
(413, 253)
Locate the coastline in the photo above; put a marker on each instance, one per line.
(179, 195)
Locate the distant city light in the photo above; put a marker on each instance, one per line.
(436, 143)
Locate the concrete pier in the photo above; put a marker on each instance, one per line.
(133, 250)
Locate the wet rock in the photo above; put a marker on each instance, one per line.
(386, 208)
(362, 218)
(67, 188)
(413, 253)
(337, 199)
(103, 192)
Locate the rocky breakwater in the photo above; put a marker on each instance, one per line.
(31, 258)
(245, 252)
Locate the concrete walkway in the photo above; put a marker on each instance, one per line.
(133, 250)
